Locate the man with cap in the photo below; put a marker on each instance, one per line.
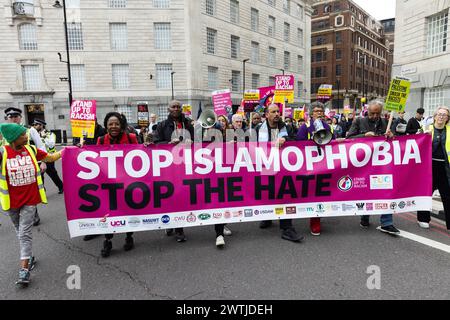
(14, 115)
(49, 139)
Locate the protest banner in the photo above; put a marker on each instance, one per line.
(142, 114)
(222, 102)
(267, 97)
(82, 118)
(325, 91)
(187, 110)
(124, 188)
(398, 94)
(284, 88)
(251, 100)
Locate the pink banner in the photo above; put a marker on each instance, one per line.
(222, 102)
(125, 188)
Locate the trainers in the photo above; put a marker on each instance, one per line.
(291, 235)
(169, 232)
(314, 224)
(107, 247)
(265, 224)
(389, 229)
(364, 224)
(24, 277)
(180, 237)
(424, 225)
(226, 231)
(220, 242)
(129, 244)
(31, 263)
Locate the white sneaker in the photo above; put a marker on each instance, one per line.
(424, 225)
(220, 241)
(226, 231)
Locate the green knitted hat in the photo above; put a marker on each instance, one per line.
(11, 131)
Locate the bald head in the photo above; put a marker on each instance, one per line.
(175, 109)
(273, 114)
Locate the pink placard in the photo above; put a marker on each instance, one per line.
(222, 102)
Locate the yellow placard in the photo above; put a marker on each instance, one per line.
(398, 94)
(299, 114)
(83, 128)
(251, 95)
(187, 109)
(282, 95)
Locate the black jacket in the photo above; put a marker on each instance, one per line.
(164, 130)
(361, 126)
(413, 126)
(281, 125)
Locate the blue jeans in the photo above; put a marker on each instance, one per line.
(385, 219)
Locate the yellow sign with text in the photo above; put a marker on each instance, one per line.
(398, 94)
(281, 96)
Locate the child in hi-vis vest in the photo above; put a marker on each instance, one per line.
(21, 189)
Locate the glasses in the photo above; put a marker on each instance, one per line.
(442, 115)
(318, 110)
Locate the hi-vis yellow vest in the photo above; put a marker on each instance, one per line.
(4, 193)
(447, 142)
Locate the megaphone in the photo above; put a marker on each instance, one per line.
(321, 135)
(207, 119)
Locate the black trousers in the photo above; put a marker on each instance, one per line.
(440, 182)
(53, 174)
(219, 229)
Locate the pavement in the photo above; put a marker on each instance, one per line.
(256, 264)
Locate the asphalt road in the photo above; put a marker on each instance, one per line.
(256, 264)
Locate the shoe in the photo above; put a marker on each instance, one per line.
(37, 222)
(90, 237)
(107, 247)
(291, 235)
(129, 244)
(180, 237)
(314, 224)
(220, 242)
(24, 278)
(424, 225)
(389, 229)
(61, 191)
(265, 224)
(31, 263)
(226, 231)
(364, 224)
(169, 232)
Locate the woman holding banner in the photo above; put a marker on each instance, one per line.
(440, 132)
(116, 126)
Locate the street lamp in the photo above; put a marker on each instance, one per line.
(243, 83)
(282, 70)
(171, 79)
(57, 4)
(363, 75)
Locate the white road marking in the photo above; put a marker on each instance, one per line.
(425, 241)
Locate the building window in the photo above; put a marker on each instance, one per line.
(255, 52)
(234, 11)
(163, 111)
(287, 31)
(272, 56)
(271, 26)
(120, 75)
(327, 9)
(235, 80)
(163, 76)
(162, 36)
(271, 3)
(434, 97)
(271, 81)
(128, 111)
(117, 3)
(338, 37)
(300, 92)
(299, 64)
(211, 7)
(78, 77)
(119, 37)
(338, 54)
(235, 47)
(213, 78)
(161, 3)
(255, 19)
(300, 37)
(300, 12)
(255, 81)
(287, 6)
(211, 39)
(339, 21)
(75, 35)
(339, 70)
(27, 37)
(287, 60)
(31, 78)
(437, 33)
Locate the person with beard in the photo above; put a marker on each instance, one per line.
(175, 129)
(275, 130)
(256, 119)
(374, 126)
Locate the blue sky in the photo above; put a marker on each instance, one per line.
(380, 9)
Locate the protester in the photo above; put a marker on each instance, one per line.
(49, 139)
(306, 132)
(440, 132)
(337, 129)
(414, 124)
(19, 196)
(374, 126)
(275, 130)
(256, 119)
(153, 123)
(175, 129)
(116, 125)
(398, 126)
(288, 122)
(346, 123)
